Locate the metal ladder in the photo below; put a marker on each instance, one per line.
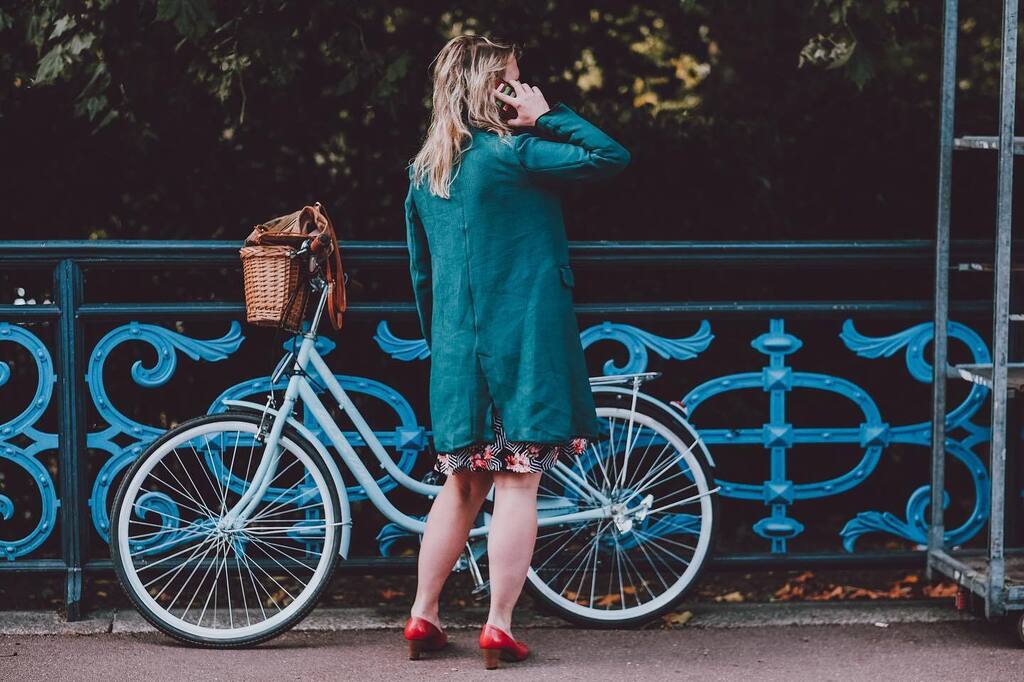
(985, 577)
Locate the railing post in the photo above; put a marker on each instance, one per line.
(74, 531)
(947, 98)
(995, 602)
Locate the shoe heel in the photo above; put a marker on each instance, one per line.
(491, 657)
(415, 649)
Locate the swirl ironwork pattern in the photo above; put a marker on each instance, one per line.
(124, 439)
(777, 436)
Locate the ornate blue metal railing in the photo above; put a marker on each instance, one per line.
(70, 381)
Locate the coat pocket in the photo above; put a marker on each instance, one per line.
(566, 272)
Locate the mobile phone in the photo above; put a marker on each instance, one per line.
(506, 110)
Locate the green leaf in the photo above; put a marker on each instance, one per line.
(860, 69)
(80, 43)
(111, 115)
(192, 18)
(92, 106)
(397, 69)
(6, 20)
(51, 65)
(100, 78)
(348, 82)
(63, 25)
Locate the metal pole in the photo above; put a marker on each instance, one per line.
(71, 434)
(948, 101)
(995, 603)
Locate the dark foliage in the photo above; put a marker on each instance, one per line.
(747, 120)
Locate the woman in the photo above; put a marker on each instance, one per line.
(489, 259)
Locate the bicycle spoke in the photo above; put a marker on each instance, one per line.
(653, 475)
(618, 562)
(219, 488)
(168, 543)
(189, 476)
(216, 548)
(252, 577)
(213, 593)
(662, 538)
(261, 516)
(205, 510)
(271, 505)
(181, 589)
(638, 463)
(654, 544)
(260, 544)
(568, 563)
(613, 449)
(631, 439)
(302, 550)
(688, 500)
(578, 530)
(135, 505)
(600, 463)
(592, 554)
(154, 564)
(241, 584)
(195, 550)
(681, 472)
(276, 582)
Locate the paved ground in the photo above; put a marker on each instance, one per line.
(702, 615)
(938, 651)
(764, 649)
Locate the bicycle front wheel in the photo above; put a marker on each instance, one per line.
(200, 580)
(632, 567)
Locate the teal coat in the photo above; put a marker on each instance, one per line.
(493, 286)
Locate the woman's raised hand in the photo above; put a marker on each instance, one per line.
(529, 103)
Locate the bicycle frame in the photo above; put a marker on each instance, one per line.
(308, 362)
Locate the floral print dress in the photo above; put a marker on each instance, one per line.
(503, 455)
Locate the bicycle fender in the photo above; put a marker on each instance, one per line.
(332, 467)
(667, 409)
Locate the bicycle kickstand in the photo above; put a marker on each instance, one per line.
(481, 587)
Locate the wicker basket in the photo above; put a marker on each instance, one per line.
(275, 293)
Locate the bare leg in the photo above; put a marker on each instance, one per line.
(510, 541)
(448, 523)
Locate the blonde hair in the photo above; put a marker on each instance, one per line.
(464, 79)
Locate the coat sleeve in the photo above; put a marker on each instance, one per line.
(419, 265)
(579, 150)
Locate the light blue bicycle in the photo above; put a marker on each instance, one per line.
(226, 530)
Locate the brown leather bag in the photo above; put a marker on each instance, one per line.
(294, 228)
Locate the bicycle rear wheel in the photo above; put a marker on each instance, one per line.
(204, 583)
(635, 566)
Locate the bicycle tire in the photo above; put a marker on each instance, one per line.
(558, 607)
(289, 436)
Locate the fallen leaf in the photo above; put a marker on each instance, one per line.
(803, 577)
(834, 593)
(677, 618)
(388, 594)
(940, 590)
(730, 597)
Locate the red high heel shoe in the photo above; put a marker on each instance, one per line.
(496, 643)
(423, 636)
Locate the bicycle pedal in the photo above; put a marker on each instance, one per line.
(433, 477)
